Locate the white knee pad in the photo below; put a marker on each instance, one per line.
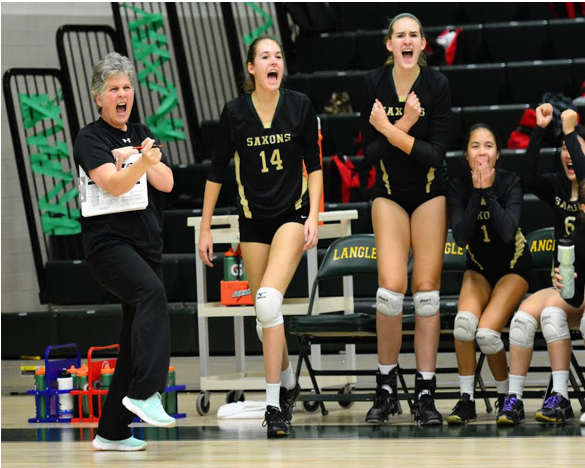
(522, 330)
(388, 302)
(426, 303)
(489, 341)
(269, 307)
(583, 326)
(553, 322)
(259, 330)
(465, 326)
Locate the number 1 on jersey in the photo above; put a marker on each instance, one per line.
(486, 238)
(274, 160)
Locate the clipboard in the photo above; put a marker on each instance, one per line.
(95, 202)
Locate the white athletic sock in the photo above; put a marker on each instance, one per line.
(385, 370)
(466, 385)
(426, 376)
(517, 385)
(273, 395)
(561, 382)
(503, 386)
(287, 378)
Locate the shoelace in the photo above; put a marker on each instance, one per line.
(552, 401)
(509, 404)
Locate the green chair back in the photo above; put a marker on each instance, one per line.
(348, 256)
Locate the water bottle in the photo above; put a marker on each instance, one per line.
(40, 385)
(566, 257)
(73, 371)
(65, 382)
(171, 406)
(106, 374)
(242, 269)
(82, 384)
(230, 266)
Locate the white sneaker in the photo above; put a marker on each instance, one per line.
(583, 419)
(131, 444)
(150, 410)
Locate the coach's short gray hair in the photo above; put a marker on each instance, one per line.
(113, 64)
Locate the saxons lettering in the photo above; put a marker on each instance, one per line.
(268, 139)
(399, 111)
(569, 206)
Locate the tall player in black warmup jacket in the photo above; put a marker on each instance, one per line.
(124, 253)
(406, 108)
(269, 131)
(559, 190)
(485, 208)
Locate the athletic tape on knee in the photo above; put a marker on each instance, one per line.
(553, 322)
(465, 326)
(522, 330)
(426, 303)
(389, 303)
(269, 307)
(259, 330)
(583, 326)
(489, 341)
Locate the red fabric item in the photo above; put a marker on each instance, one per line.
(450, 44)
(570, 9)
(349, 177)
(518, 140)
(528, 119)
(358, 144)
(452, 49)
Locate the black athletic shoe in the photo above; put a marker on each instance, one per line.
(463, 412)
(556, 409)
(424, 410)
(385, 403)
(511, 411)
(275, 422)
(288, 400)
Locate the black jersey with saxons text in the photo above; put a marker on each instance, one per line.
(142, 228)
(424, 170)
(268, 157)
(487, 220)
(554, 188)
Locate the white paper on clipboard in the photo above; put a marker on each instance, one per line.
(94, 201)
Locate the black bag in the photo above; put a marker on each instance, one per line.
(560, 103)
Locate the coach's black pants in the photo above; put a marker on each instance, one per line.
(143, 363)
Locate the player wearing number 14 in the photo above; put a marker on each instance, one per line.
(269, 131)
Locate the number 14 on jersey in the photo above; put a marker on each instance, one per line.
(274, 160)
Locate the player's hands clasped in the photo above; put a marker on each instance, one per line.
(483, 175)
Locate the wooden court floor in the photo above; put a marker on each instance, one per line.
(340, 439)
